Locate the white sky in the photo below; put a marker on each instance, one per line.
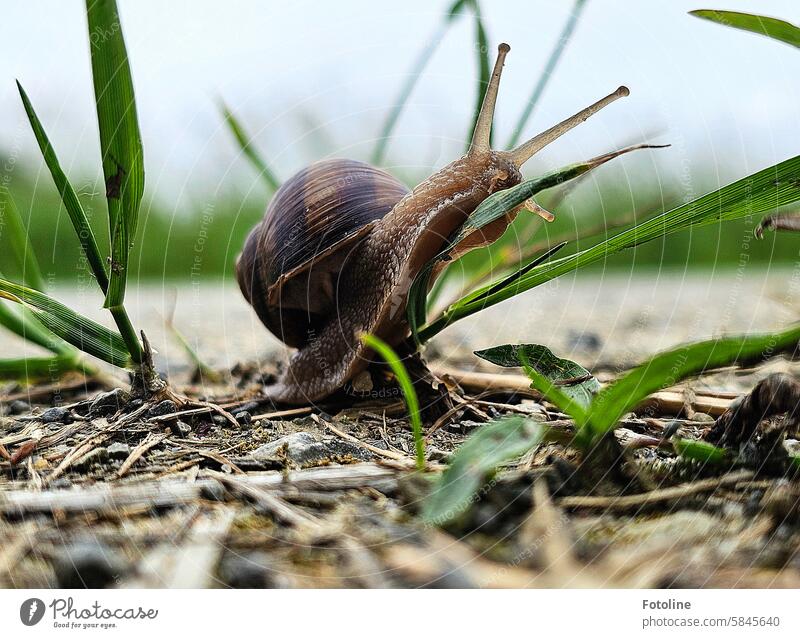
(721, 96)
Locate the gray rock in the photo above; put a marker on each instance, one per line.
(163, 408)
(87, 564)
(180, 428)
(19, 407)
(55, 415)
(109, 402)
(119, 450)
(435, 454)
(303, 449)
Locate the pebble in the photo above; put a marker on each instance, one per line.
(19, 407)
(109, 402)
(161, 409)
(87, 565)
(180, 428)
(119, 450)
(304, 449)
(244, 417)
(55, 415)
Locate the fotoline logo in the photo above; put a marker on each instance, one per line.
(31, 611)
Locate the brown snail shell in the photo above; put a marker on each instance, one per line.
(288, 268)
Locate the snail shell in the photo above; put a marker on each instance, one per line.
(290, 262)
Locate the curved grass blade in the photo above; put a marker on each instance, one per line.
(20, 242)
(547, 72)
(475, 461)
(668, 368)
(379, 153)
(763, 25)
(33, 368)
(249, 150)
(399, 370)
(492, 208)
(762, 192)
(68, 196)
(83, 333)
(120, 139)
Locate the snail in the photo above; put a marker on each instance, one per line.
(341, 243)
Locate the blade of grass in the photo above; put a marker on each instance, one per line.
(410, 395)
(763, 25)
(418, 66)
(68, 196)
(484, 63)
(18, 239)
(249, 150)
(492, 208)
(547, 72)
(31, 368)
(761, 192)
(73, 328)
(120, 139)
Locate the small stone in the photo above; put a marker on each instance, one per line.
(161, 409)
(19, 407)
(180, 428)
(435, 454)
(218, 419)
(119, 450)
(55, 415)
(87, 565)
(243, 417)
(109, 402)
(702, 417)
(304, 449)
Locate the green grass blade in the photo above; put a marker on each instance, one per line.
(417, 68)
(668, 368)
(33, 368)
(475, 461)
(492, 208)
(700, 451)
(249, 150)
(68, 196)
(399, 370)
(763, 25)
(759, 193)
(120, 139)
(484, 67)
(18, 239)
(549, 67)
(83, 333)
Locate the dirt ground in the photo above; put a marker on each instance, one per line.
(108, 492)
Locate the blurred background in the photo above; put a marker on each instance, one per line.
(311, 80)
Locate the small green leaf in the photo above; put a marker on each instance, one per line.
(700, 451)
(83, 333)
(410, 395)
(33, 368)
(19, 240)
(763, 25)
(120, 139)
(475, 461)
(573, 380)
(249, 150)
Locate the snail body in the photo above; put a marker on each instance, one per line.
(341, 243)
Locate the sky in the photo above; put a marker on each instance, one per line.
(315, 79)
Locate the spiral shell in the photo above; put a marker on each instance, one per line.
(289, 265)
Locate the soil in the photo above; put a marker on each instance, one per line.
(99, 490)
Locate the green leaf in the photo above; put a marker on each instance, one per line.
(32, 368)
(573, 380)
(763, 25)
(249, 150)
(668, 368)
(759, 193)
(68, 196)
(492, 445)
(18, 239)
(410, 395)
(492, 208)
(120, 139)
(700, 451)
(83, 333)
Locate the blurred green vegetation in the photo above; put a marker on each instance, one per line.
(203, 241)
